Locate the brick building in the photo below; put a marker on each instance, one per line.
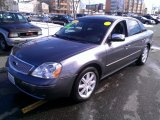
(134, 6)
(127, 6)
(60, 6)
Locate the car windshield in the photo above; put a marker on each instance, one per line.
(68, 17)
(84, 31)
(144, 18)
(12, 18)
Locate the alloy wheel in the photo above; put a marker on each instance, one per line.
(145, 55)
(87, 84)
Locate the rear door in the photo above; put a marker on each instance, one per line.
(135, 39)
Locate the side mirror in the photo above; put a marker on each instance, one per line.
(118, 37)
(28, 19)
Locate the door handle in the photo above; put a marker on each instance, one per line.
(127, 46)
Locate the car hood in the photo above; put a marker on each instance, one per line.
(49, 49)
(19, 27)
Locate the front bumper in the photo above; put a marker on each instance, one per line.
(15, 41)
(42, 88)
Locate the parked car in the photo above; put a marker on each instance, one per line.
(61, 19)
(151, 18)
(80, 15)
(144, 20)
(40, 18)
(78, 56)
(14, 29)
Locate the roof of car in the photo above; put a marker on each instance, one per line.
(9, 12)
(102, 18)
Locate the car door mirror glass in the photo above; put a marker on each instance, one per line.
(28, 19)
(118, 37)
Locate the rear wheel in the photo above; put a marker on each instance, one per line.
(3, 44)
(85, 84)
(147, 23)
(143, 58)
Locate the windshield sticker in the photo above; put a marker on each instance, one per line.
(75, 21)
(107, 23)
(68, 25)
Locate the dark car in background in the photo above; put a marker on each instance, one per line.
(144, 20)
(76, 58)
(40, 18)
(61, 19)
(15, 28)
(148, 16)
(80, 15)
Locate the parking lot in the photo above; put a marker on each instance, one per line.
(130, 94)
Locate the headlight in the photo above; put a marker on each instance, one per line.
(13, 35)
(39, 32)
(48, 70)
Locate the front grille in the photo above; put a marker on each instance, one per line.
(19, 65)
(28, 34)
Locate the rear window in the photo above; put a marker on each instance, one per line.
(6, 17)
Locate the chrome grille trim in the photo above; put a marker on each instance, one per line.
(22, 66)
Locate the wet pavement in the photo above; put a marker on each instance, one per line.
(130, 94)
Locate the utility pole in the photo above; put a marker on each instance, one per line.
(74, 15)
(89, 6)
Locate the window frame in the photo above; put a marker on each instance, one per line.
(128, 29)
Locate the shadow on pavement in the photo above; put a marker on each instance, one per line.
(3, 58)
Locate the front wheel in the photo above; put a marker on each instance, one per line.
(85, 84)
(143, 57)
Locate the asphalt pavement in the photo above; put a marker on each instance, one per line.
(133, 93)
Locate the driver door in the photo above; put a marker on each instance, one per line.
(117, 51)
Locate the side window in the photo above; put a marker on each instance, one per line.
(120, 28)
(133, 27)
(20, 18)
(55, 17)
(142, 27)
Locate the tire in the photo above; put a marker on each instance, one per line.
(147, 23)
(83, 88)
(3, 44)
(143, 57)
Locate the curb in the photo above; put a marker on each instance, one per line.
(3, 70)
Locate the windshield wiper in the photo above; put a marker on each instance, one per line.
(71, 38)
(62, 37)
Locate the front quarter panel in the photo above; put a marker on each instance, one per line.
(149, 37)
(73, 65)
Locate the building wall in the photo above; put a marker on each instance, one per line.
(60, 6)
(45, 8)
(10, 5)
(113, 6)
(32, 6)
(108, 6)
(26, 7)
(128, 6)
(134, 6)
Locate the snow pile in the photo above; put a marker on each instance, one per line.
(47, 28)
